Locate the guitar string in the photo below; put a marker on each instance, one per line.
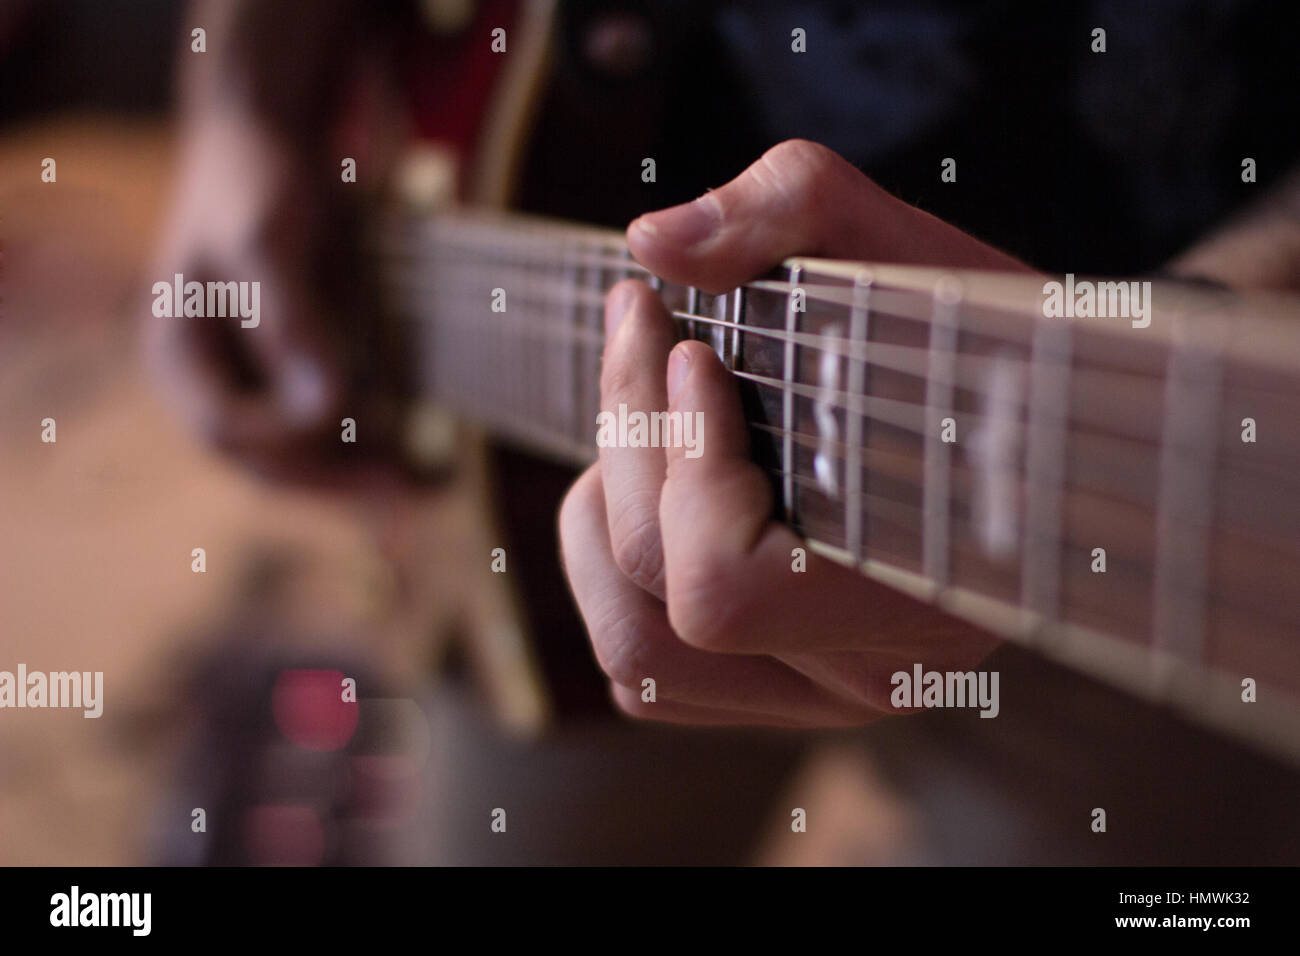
(1140, 455)
(543, 237)
(815, 292)
(508, 244)
(903, 414)
(502, 243)
(906, 359)
(555, 289)
(909, 519)
(1105, 466)
(1094, 385)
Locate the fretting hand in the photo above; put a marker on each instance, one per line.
(678, 569)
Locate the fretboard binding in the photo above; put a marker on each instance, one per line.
(1092, 413)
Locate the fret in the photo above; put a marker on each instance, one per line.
(787, 399)
(517, 300)
(859, 332)
(718, 329)
(568, 381)
(497, 340)
(935, 494)
(558, 367)
(692, 308)
(452, 376)
(738, 319)
(488, 343)
(479, 289)
(546, 394)
(825, 460)
(537, 396)
(486, 348)
(468, 278)
(1045, 470)
(433, 335)
(1185, 504)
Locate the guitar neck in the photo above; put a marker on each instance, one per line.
(1118, 492)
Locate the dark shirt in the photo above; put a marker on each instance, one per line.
(1071, 159)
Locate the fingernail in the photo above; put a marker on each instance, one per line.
(303, 391)
(617, 303)
(685, 225)
(679, 366)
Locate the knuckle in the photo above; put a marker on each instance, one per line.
(802, 153)
(632, 296)
(797, 168)
(617, 376)
(638, 549)
(702, 608)
(623, 645)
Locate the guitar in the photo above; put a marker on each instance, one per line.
(1068, 437)
(1116, 494)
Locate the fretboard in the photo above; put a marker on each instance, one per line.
(938, 431)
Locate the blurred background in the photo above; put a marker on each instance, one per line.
(220, 686)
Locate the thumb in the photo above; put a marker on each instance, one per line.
(798, 198)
